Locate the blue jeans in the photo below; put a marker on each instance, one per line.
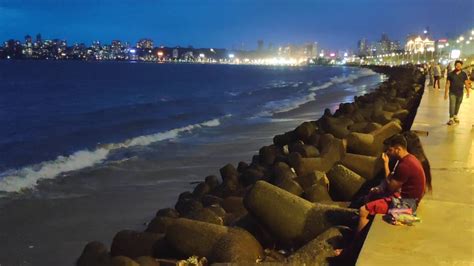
(454, 104)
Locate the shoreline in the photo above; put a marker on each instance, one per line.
(235, 201)
(128, 196)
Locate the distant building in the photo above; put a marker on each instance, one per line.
(145, 44)
(260, 45)
(363, 47)
(417, 44)
(39, 40)
(315, 50)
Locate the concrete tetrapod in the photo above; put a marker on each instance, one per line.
(371, 144)
(318, 250)
(344, 182)
(215, 242)
(332, 151)
(290, 218)
(366, 166)
(94, 254)
(337, 126)
(135, 244)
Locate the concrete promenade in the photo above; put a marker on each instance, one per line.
(446, 234)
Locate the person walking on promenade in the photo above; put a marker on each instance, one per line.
(437, 76)
(455, 83)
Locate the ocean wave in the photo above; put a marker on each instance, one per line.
(15, 180)
(285, 105)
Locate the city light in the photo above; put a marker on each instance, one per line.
(455, 54)
(231, 55)
(133, 51)
(202, 55)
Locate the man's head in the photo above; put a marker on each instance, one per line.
(396, 146)
(458, 65)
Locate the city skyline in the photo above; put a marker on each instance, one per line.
(232, 24)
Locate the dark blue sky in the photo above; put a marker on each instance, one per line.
(229, 23)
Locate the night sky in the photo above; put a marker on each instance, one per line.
(336, 24)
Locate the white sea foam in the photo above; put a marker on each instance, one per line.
(15, 180)
(286, 105)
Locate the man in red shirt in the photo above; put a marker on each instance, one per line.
(406, 180)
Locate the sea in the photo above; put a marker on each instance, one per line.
(90, 148)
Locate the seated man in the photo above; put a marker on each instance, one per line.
(406, 180)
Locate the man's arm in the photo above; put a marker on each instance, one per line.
(385, 165)
(446, 89)
(467, 85)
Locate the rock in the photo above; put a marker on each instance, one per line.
(228, 171)
(122, 261)
(315, 177)
(338, 127)
(268, 154)
(237, 246)
(206, 215)
(371, 144)
(332, 151)
(94, 254)
(314, 139)
(291, 186)
(234, 205)
(242, 166)
(304, 131)
(135, 244)
(304, 166)
(168, 262)
(147, 261)
(167, 212)
(216, 242)
(251, 225)
(382, 117)
(317, 193)
(217, 209)
(212, 181)
(159, 224)
(344, 182)
(185, 206)
(358, 127)
(209, 200)
(201, 189)
(318, 250)
(371, 127)
(290, 218)
(185, 195)
(250, 176)
(230, 187)
(401, 114)
(366, 166)
(281, 170)
(392, 107)
(284, 139)
(306, 151)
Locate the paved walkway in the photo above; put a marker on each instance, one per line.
(446, 234)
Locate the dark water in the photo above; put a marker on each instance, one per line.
(57, 117)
